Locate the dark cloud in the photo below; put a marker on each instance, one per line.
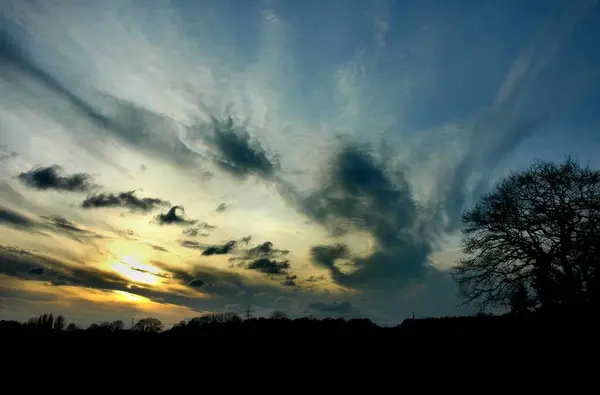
(327, 256)
(198, 229)
(234, 150)
(264, 250)
(221, 249)
(263, 258)
(197, 283)
(265, 265)
(38, 271)
(342, 307)
(50, 178)
(222, 207)
(192, 244)
(216, 249)
(172, 217)
(125, 200)
(157, 248)
(360, 194)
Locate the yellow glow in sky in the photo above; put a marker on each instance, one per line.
(136, 271)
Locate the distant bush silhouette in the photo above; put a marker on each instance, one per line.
(533, 242)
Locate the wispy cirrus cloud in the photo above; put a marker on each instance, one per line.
(70, 229)
(233, 150)
(17, 220)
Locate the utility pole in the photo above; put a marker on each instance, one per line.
(132, 322)
(248, 312)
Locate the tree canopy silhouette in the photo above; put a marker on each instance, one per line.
(148, 325)
(533, 241)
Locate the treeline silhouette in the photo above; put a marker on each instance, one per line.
(580, 322)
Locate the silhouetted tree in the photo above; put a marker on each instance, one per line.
(148, 325)
(72, 327)
(59, 323)
(181, 324)
(44, 322)
(117, 326)
(540, 229)
(279, 315)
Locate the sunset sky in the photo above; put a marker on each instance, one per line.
(172, 158)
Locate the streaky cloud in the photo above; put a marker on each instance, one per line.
(70, 229)
(130, 122)
(17, 221)
(126, 200)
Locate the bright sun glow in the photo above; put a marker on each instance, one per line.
(136, 271)
(127, 297)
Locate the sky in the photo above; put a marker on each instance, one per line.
(175, 158)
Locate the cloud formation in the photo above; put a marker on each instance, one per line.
(198, 230)
(263, 258)
(128, 121)
(221, 249)
(222, 207)
(192, 245)
(234, 151)
(15, 220)
(126, 200)
(360, 194)
(51, 178)
(173, 217)
(70, 229)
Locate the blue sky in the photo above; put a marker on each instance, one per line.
(359, 131)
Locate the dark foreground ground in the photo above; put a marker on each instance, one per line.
(286, 353)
